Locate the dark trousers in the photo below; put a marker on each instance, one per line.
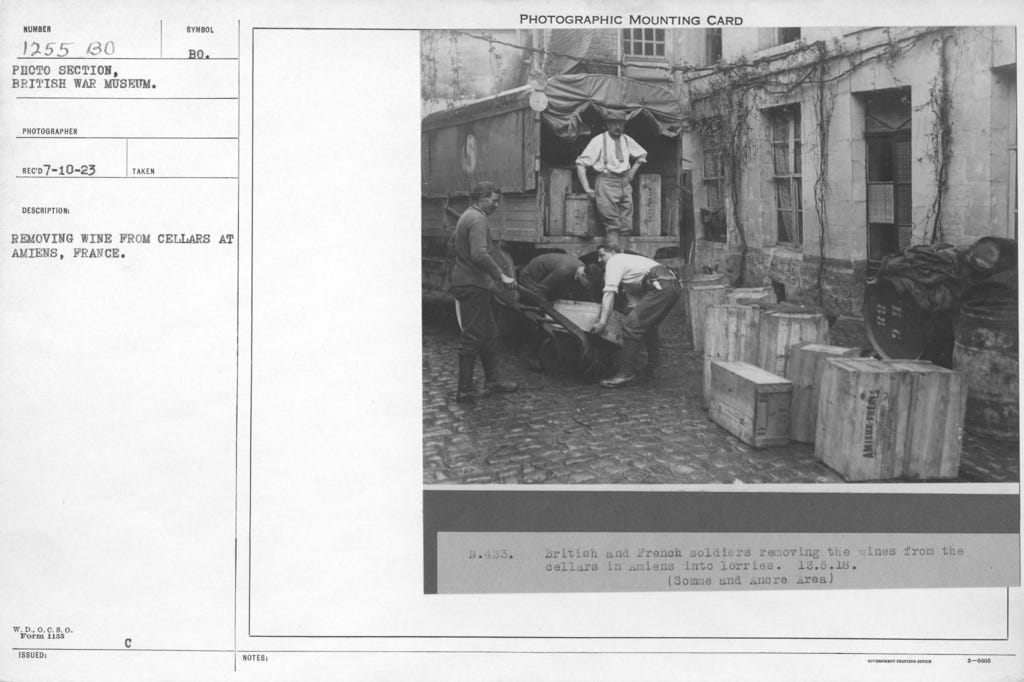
(479, 328)
(641, 325)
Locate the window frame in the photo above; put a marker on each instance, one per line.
(781, 35)
(902, 191)
(791, 115)
(893, 131)
(711, 148)
(628, 38)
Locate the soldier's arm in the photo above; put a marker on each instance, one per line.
(581, 173)
(638, 154)
(607, 303)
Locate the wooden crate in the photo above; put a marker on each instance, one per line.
(862, 418)
(559, 187)
(649, 206)
(779, 331)
(700, 297)
(750, 403)
(804, 364)
(760, 296)
(580, 216)
(730, 333)
(585, 315)
(938, 400)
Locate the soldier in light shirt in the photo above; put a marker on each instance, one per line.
(652, 291)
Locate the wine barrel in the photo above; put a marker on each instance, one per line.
(699, 299)
(986, 352)
(899, 329)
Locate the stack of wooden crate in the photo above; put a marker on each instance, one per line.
(771, 377)
(745, 389)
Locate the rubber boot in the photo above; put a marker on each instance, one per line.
(467, 392)
(494, 382)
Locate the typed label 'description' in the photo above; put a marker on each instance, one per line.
(614, 562)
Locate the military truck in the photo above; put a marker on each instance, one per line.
(526, 141)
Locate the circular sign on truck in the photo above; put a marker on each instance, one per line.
(538, 101)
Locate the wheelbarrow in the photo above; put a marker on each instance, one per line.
(567, 345)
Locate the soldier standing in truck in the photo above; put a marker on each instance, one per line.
(615, 157)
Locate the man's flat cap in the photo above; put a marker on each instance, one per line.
(614, 115)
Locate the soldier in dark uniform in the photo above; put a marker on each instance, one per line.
(474, 273)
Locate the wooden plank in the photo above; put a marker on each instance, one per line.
(650, 205)
(730, 333)
(779, 331)
(938, 401)
(750, 403)
(559, 187)
(762, 296)
(862, 418)
(804, 364)
(699, 298)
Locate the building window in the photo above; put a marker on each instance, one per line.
(643, 42)
(712, 46)
(887, 136)
(787, 172)
(712, 216)
(789, 34)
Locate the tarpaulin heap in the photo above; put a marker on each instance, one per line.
(569, 97)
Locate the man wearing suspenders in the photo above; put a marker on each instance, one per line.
(615, 157)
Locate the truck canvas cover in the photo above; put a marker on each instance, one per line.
(570, 96)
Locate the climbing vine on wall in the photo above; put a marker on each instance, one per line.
(824, 104)
(736, 90)
(941, 135)
(729, 129)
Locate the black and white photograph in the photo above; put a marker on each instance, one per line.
(687, 350)
(719, 255)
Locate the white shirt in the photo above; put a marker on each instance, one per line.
(628, 270)
(600, 153)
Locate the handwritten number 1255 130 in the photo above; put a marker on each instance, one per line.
(94, 49)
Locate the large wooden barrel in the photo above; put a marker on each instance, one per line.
(986, 352)
(700, 281)
(781, 330)
(700, 298)
(899, 329)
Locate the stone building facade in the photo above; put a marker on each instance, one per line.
(809, 153)
(817, 152)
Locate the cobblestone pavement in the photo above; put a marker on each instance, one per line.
(558, 428)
